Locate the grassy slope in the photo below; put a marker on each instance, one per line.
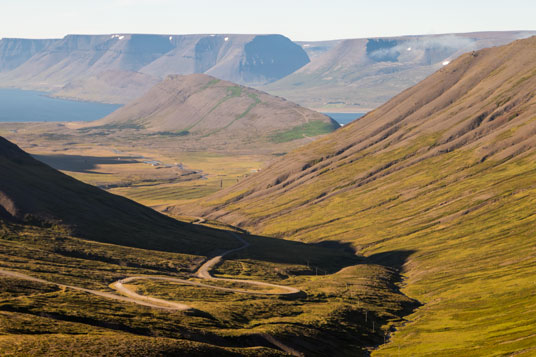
(313, 128)
(445, 170)
(219, 170)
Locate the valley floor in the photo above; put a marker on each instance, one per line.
(235, 311)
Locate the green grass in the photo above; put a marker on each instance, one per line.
(220, 170)
(236, 93)
(171, 133)
(38, 318)
(167, 194)
(210, 84)
(310, 129)
(232, 92)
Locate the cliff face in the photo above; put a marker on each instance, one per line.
(16, 51)
(52, 64)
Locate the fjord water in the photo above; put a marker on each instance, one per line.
(344, 118)
(30, 106)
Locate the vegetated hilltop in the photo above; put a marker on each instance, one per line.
(32, 192)
(50, 65)
(203, 107)
(361, 74)
(444, 169)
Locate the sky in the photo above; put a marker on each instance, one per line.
(300, 20)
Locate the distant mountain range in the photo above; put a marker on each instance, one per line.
(362, 74)
(352, 75)
(51, 64)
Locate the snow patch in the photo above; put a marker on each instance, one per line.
(446, 63)
(307, 45)
(212, 35)
(119, 37)
(226, 39)
(409, 49)
(170, 38)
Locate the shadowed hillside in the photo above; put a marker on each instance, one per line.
(446, 169)
(32, 192)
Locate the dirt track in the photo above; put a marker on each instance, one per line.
(203, 273)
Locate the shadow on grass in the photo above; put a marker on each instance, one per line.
(362, 329)
(315, 258)
(394, 259)
(84, 164)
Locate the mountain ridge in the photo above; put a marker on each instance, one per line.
(324, 75)
(376, 69)
(240, 58)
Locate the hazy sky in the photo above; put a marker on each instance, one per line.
(297, 19)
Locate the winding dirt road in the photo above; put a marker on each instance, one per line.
(202, 273)
(145, 301)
